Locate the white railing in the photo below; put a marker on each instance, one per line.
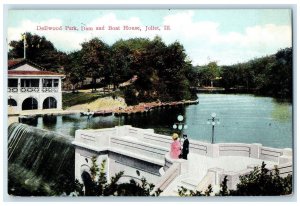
(12, 89)
(30, 89)
(254, 150)
(50, 89)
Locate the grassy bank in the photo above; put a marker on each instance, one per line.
(71, 99)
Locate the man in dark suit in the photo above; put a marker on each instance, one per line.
(185, 147)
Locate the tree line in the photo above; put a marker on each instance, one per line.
(270, 75)
(163, 72)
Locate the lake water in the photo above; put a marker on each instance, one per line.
(243, 118)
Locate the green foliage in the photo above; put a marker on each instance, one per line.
(162, 71)
(95, 58)
(70, 99)
(123, 58)
(74, 69)
(206, 74)
(68, 187)
(259, 182)
(94, 168)
(38, 50)
(263, 182)
(183, 192)
(224, 189)
(269, 75)
(130, 95)
(99, 186)
(133, 188)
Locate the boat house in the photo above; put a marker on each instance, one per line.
(30, 87)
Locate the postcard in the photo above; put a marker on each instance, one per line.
(150, 102)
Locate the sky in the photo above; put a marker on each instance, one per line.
(227, 36)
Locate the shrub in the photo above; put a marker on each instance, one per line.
(259, 182)
(96, 184)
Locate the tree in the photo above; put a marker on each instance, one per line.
(163, 71)
(175, 71)
(270, 75)
(212, 71)
(280, 74)
(74, 69)
(121, 62)
(95, 58)
(38, 50)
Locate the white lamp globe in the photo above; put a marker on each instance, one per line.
(174, 126)
(213, 114)
(185, 127)
(180, 118)
(180, 127)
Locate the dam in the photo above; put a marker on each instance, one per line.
(39, 161)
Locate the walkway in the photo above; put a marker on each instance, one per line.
(198, 166)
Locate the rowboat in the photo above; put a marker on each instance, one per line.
(86, 113)
(102, 113)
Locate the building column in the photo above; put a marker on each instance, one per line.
(19, 85)
(40, 85)
(59, 84)
(59, 100)
(38, 95)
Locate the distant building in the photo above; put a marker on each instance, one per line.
(31, 88)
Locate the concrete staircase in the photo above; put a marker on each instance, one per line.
(189, 182)
(186, 181)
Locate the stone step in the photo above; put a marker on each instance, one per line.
(189, 184)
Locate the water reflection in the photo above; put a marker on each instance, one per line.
(49, 122)
(282, 112)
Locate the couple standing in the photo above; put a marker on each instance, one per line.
(176, 151)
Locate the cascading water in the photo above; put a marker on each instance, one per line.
(40, 162)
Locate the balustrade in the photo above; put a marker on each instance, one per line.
(12, 89)
(32, 89)
(50, 89)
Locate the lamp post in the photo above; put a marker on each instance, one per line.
(180, 125)
(213, 122)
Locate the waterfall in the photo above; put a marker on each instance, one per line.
(40, 162)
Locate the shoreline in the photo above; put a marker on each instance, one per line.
(147, 107)
(121, 111)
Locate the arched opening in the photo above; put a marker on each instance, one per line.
(12, 102)
(30, 104)
(50, 103)
(89, 185)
